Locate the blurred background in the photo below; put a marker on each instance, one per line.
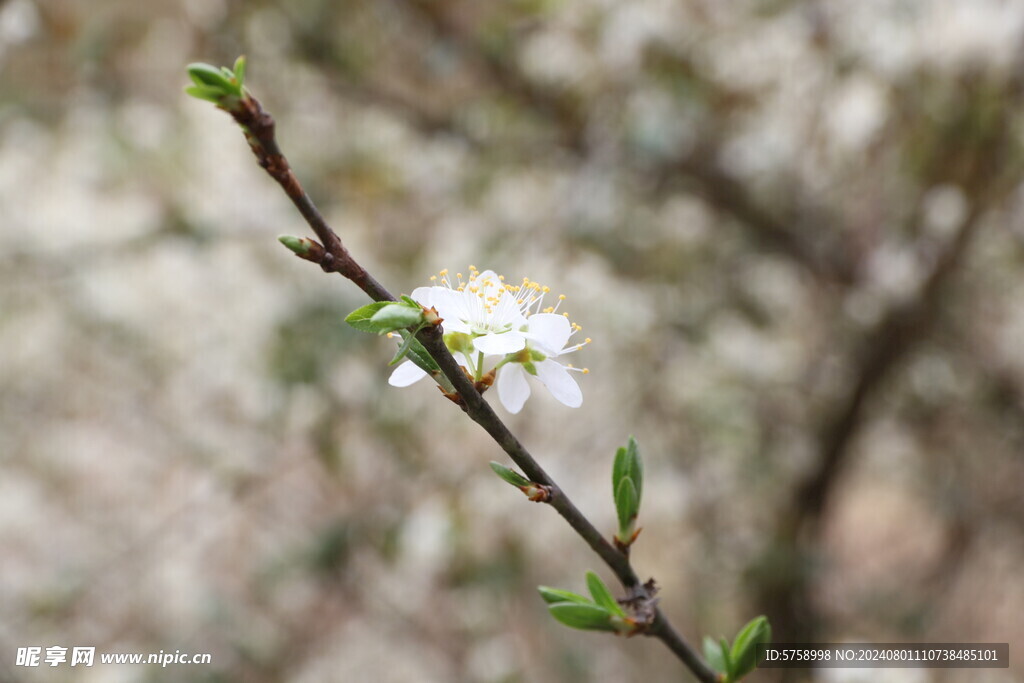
(793, 230)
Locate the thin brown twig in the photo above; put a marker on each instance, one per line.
(332, 256)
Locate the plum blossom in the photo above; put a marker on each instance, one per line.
(484, 318)
(547, 335)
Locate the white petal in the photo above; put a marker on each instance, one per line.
(560, 383)
(423, 295)
(513, 389)
(405, 374)
(499, 344)
(451, 306)
(550, 330)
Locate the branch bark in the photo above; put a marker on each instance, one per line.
(333, 256)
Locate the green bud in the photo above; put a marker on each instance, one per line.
(297, 244)
(459, 341)
(626, 505)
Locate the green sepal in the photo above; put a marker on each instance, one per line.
(626, 505)
(714, 654)
(587, 617)
(396, 317)
(509, 475)
(628, 464)
(557, 595)
(743, 655)
(360, 318)
(602, 596)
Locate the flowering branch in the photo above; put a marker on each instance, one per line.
(225, 88)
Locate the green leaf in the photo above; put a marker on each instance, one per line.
(208, 75)
(628, 464)
(509, 475)
(396, 317)
(713, 653)
(723, 646)
(556, 595)
(583, 616)
(626, 506)
(602, 596)
(409, 300)
(417, 353)
(205, 92)
(239, 70)
(360, 318)
(403, 349)
(744, 647)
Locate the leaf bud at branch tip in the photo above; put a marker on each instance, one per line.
(298, 245)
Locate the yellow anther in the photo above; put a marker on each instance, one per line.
(587, 340)
(545, 289)
(586, 371)
(390, 335)
(433, 278)
(444, 272)
(566, 315)
(561, 297)
(458, 275)
(549, 309)
(472, 268)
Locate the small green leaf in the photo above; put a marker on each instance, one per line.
(208, 75)
(396, 317)
(360, 318)
(403, 349)
(713, 653)
(205, 92)
(723, 646)
(744, 647)
(417, 353)
(239, 69)
(626, 507)
(583, 616)
(628, 464)
(509, 475)
(409, 300)
(556, 595)
(602, 596)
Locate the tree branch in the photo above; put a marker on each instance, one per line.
(332, 256)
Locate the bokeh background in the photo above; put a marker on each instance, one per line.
(793, 230)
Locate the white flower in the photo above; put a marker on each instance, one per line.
(548, 334)
(484, 315)
(482, 307)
